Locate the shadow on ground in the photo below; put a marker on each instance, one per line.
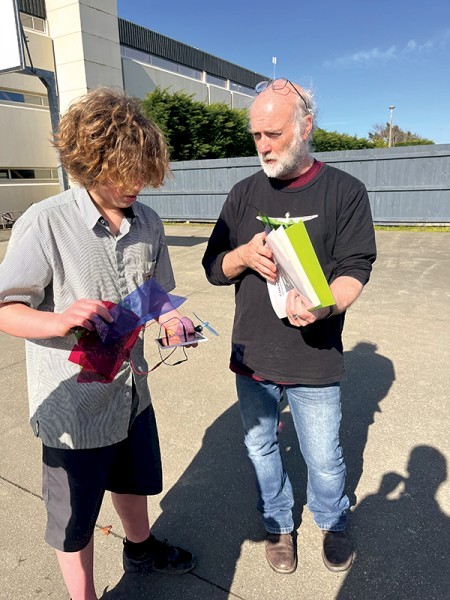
(370, 377)
(211, 510)
(182, 240)
(213, 507)
(402, 539)
(213, 504)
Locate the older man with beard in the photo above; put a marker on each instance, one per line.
(300, 357)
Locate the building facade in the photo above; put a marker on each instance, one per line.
(86, 44)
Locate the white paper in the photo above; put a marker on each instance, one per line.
(291, 273)
(278, 292)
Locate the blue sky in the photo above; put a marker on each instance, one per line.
(357, 56)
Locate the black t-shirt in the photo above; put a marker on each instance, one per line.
(343, 237)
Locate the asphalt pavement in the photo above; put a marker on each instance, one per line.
(394, 432)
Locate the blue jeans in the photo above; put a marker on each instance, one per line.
(316, 413)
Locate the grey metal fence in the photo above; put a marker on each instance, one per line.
(406, 185)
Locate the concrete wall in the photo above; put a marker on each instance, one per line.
(86, 45)
(17, 197)
(26, 131)
(141, 79)
(82, 48)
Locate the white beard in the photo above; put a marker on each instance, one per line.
(288, 161)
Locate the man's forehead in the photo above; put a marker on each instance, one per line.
(270, 113)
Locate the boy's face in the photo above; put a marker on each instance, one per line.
(113, 198)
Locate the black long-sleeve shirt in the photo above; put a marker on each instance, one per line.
(343, 237)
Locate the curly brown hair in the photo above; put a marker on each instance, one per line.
(104, 138)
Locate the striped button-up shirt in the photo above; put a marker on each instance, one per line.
(61, 250)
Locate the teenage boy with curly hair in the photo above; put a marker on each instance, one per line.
(67, 255)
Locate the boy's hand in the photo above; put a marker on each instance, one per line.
(179, 327)
(79, 314)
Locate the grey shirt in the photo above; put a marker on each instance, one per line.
(61, 250)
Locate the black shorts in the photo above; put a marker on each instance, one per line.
(74, 481)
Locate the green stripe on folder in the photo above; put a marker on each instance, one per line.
(301, 243)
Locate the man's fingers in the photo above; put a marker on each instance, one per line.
(260, 237)
(267, 272)
(265, 267)
(264, 250)
(297, 310)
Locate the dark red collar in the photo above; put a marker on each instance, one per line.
(305, 178)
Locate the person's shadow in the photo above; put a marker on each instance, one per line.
(403, 549)
(212, 507)
(370, 376)
(212, 510)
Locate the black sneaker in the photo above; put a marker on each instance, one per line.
(337, 552)
(158, 556)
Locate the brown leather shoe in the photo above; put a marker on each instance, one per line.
(281, 552)
(337, 550)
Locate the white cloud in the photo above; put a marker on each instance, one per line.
(364, 58)
(375, 56)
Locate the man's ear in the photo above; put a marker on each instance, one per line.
(308, 125)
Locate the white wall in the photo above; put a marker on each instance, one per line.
(85, 35)
(140, 80)
(26, 134)
(25, 131)
(82, 48)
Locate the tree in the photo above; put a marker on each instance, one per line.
(228, 132)
(332, 141)
(380, 136)
(195, 131)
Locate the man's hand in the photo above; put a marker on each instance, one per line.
(255, 255)
(297, 310)
(345, 290)
(80, 314)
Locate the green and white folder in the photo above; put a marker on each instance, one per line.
(297, 258)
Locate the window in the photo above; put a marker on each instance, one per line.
(35, 23)
(28, 174)
(190, 72)
(22, 173)
(134, 54)
(160, 63)
(242, 89)
(32, 99)
(27, 21)
(11, 96)
(23, 98)
(219, 81)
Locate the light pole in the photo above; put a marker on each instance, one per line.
(391, 108)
